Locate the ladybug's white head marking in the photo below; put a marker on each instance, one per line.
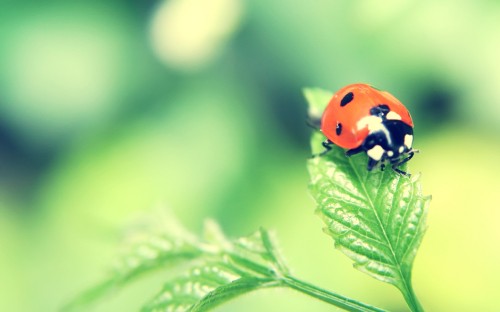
(374, 123)
(393, 116)
(408, 140)
(376, 152)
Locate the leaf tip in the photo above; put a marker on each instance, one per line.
(317, 99)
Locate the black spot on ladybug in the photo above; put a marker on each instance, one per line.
(338, 129)
(380, 110)
(347, 99)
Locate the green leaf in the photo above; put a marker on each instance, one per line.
(204, 287)
(318, 100)
(226, 270)
(210, 270)
(376, 218)
(205, 272)
(272, 253)
(155, 243)
(231, 290)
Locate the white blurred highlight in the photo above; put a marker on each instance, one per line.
(62, 71)
(187, 34)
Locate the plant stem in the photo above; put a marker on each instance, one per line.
(411, 299)
(327, 296)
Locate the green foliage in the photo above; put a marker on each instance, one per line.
(225, 270)
(376, 218)
(208, 271)
(215, 269)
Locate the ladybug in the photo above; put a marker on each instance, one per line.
(361, 118)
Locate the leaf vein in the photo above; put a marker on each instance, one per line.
(391, 248)
(352, 227)
(418, 227)
(412, 197)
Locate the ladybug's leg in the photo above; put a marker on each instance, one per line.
(399, 163)
(371, 163)
(410, 156)
(401, 172)
(327, 144)
(354, 151)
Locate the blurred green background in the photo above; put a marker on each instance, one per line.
(110, 108)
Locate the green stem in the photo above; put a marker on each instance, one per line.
(411, 298)
(329, 297)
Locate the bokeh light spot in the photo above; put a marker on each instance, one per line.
(60, 71)
(187, 34)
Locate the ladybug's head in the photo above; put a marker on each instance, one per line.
(395, 152)
(389, 138)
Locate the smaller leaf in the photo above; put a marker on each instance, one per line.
(206, 272)
(232, 290)
(205, 286)
(318, 100)
(153, 244)
(274, 256)
(214, 237)
(237, 267)
(217, 268)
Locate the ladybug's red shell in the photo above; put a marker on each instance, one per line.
(349, 106)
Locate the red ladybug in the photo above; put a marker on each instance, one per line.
(361, 118)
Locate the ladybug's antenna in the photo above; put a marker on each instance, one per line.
(314, 123)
